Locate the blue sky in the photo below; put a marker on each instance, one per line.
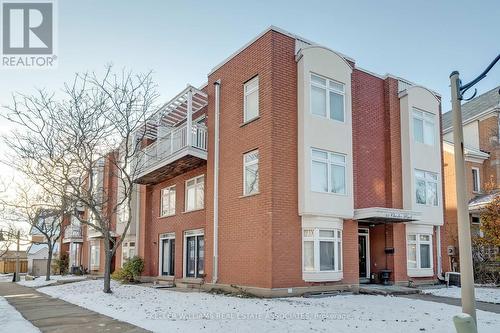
(181, 41)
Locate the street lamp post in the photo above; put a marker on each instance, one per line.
(464, 235)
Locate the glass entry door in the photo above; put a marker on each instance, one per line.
(195, 256)
(364, 253)
(168, 257)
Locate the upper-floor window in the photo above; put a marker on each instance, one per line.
(167, 204)
(251, 99)
(423, 127)
(328, 171)
(327, 98)
(426, 184)
(251, 172)
(476, 187)
(195, 193)
(419, 251)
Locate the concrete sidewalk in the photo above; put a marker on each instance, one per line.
(491, 307)
(55, 315)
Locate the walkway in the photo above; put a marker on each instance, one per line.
(57, 316)
(491, 307)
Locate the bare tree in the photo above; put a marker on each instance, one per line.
(43, 212)
(85, 146)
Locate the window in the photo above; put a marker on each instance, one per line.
(327, 98)
(426, 187)
(322, 250)
(167, 201)
(195, 192)
(195, 255)
(476, 187)
(94, 255)
(327, 172)
(251, 99)
(419, 251)
(423, 127)
(251, 172)
(167, 254)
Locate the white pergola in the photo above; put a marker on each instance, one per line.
(179, 109)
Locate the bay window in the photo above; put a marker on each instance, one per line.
(322, 250)
(426, 187)
(419, 251)
(423, 127)
(328, 172)
(327, 98)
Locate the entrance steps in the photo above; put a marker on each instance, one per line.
(379, 289)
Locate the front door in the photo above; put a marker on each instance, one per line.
(364, 260)
(195, 256)
(168, 257)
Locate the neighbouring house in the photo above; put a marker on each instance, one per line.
(292, 170)
(8, 262)
(37, 252)
(481, 123)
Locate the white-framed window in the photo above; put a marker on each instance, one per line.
(251, 99)
(167, 203)
(424, 127)
(327, 98)
(476, 180)
(167, 254)
(426, 187)
(94, 255)
(251, 172)
(322, 250)
(419, 251)
(328, 171)
(195, 193)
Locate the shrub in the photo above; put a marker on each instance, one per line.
(62, 264)
(131, 270)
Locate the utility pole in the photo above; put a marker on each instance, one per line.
(464, 236)
(18, 278)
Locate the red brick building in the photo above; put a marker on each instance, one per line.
(300, 171)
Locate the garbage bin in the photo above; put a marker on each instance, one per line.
(385, 275)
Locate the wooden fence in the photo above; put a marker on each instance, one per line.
(9, 266)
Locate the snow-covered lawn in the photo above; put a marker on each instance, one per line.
(40, 281)
(491, 295)
(12, 321)
(5, 277)
(167, 310)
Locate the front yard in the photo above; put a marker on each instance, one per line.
(483, 294)
(167, 310)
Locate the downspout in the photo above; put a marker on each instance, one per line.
(438, 252)
(215, 275)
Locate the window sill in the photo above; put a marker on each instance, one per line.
(165, 216)
(331, 193)
(420, 272)
(249, 121)
(322, 276)
(193, 210)
(248, 195)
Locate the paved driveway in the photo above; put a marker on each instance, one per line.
(491, 307)
(55, 315)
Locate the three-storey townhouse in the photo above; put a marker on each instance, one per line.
(292, 170)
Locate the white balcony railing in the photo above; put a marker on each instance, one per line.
(73, 232)
(171, 143)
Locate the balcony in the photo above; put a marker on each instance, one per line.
(73, 234)
(179, 144)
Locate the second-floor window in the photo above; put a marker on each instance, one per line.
(476, 187)
(251, 173)
(327, 98)
(423, 127)
(195, 193)
(251, 99)
(426, 184)
(328, 171)
(167, 201)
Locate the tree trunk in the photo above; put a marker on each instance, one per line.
(107, 267)
(49, 263)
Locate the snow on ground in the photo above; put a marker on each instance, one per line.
(40, 281)
(5, 277)
(491, 295)
(168, 310)
(12, 321)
